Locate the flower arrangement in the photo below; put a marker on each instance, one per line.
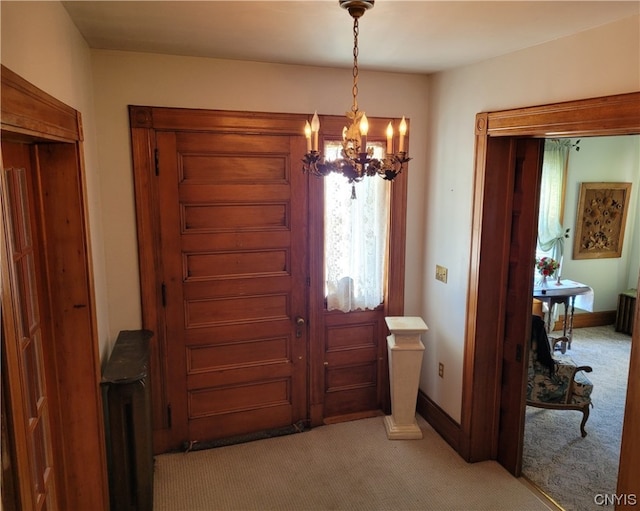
(547, 266)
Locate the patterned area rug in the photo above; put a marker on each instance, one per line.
(572, 470)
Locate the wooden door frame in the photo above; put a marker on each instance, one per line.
(144, 121)
(486, 306)
(32, 116)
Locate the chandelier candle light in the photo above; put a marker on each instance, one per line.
(357, 159)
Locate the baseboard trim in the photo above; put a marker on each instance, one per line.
(588, 319)
(444, 425)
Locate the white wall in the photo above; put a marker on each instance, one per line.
(39, 42)
(604, 159)
(598, 62)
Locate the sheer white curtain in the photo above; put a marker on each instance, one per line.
(551, 233)
(355, 238)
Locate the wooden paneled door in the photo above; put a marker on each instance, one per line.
(30, 404)
(234, 282)
(233, 227)
(355, 376)
(351, 379)
(231, 273)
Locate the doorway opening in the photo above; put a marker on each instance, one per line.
(600, 159)
(493, 412)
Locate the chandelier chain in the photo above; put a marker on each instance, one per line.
(356, 31)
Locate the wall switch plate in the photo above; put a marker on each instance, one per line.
(441, 370)
(441, 273)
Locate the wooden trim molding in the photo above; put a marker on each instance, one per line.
(191, 119)
(611, 115)
(29, 111)
(31, 116)
(444, 425)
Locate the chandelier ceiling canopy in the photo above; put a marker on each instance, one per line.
(357, 160)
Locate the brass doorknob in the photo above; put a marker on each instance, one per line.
(300, 321)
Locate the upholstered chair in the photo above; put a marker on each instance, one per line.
(555, 381)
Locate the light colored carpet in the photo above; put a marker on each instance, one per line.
(346, 466)
(569, 468)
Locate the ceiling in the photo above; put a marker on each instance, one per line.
(417, 36)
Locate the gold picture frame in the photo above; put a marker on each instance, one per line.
(600, 220)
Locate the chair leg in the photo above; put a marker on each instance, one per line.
(559, 344)
(585, 416)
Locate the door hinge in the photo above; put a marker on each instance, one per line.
(518, 352)
(169, 416)
(157, 161)
(308, 281)
(164, 295)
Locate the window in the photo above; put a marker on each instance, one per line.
(551, 233)
(355, 237)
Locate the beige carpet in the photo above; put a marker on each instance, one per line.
(348, 466)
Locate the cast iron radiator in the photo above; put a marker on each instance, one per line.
(625, 312)
(127, 410)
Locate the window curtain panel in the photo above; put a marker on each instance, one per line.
(355, 242)
(551, 234)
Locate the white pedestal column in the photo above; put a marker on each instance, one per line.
(405, 361)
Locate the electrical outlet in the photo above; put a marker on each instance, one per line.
(441, 273)
(441, 370)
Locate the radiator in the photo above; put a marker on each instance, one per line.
(127, 411)
(626, 310)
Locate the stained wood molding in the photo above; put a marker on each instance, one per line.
(482, 374)
(439, 420)
(30, 111)
(54, 132)
(610, 115)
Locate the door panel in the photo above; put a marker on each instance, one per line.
(355, 373)
(24, 345)
(235, 272)
(527, 165)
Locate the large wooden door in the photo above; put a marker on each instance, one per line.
(24, 333)
(234, 253)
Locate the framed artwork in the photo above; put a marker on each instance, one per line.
(600, 220)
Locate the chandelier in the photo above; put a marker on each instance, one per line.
(357, 160)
